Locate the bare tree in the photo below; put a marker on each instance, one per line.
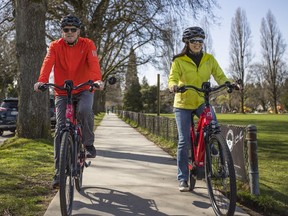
(240, 49)
(205, 24)
(273, 49)
(116, 26)
(33, 118)
(8, 66)
(170, 39)
(258, 95)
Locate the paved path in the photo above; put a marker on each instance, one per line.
(131, 176)
(6, 135)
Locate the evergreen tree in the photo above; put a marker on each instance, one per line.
(149, 96)
(132, 96)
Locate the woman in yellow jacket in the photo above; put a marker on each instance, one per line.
(191, 67)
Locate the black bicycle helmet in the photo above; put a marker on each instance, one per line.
(70, 20)
(192, 32)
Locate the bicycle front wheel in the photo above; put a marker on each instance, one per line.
(66, 191)
(80, 165)
(220, 176)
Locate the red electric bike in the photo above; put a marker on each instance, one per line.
(72, 151)
(210, 156)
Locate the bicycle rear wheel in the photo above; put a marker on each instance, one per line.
(220, 176)
(66, 191)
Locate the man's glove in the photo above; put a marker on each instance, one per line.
(36, 86)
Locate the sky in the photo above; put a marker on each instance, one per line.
(255, 10)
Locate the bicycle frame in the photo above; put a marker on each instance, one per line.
(198, 136)
(71, 124)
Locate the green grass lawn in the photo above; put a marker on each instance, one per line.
(25, 175)
(272, 139)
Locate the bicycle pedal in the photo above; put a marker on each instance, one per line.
(87, 164)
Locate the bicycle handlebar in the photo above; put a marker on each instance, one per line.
(206, 87)
(69, 86)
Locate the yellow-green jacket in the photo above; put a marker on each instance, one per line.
(185, 72)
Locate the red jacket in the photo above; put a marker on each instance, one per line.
(78, 63)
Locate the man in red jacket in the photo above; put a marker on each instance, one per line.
(72, 58)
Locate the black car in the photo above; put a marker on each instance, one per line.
(9, 113)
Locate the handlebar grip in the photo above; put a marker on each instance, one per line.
(96, 85)
(181, 89)
(229, 90)
(43, 87)
(239, 81)
(230, 87)
(92, 86)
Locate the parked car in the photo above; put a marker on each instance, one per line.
(9, 113)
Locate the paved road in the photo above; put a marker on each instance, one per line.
(131, 176)
(6, 135)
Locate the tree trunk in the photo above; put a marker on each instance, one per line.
(33, 118)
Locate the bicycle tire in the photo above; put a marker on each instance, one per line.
(220, 177)
(192, 178)
(192, 170)
(66, 190)
(80, 165)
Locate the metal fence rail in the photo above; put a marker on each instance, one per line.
(158, 125)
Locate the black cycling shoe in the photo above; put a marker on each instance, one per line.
(91, 151)
(55, 181)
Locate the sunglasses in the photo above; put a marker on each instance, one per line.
(66, 30)
(196, 41)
